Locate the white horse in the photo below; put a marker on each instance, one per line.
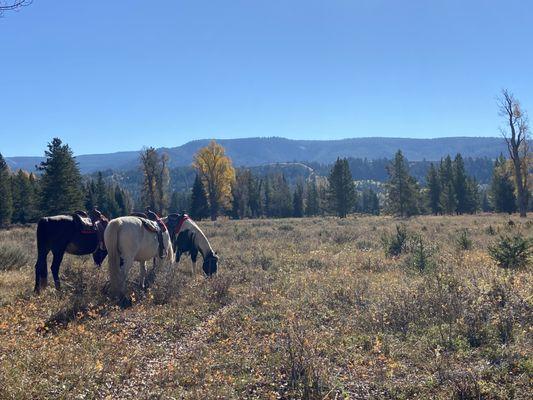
(127, 240)
(187, 237)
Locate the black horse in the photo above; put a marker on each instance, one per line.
(75, 234)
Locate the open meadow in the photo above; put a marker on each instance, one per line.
(317, 308)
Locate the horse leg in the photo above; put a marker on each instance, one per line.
(142, 275)
(41, 270)
(124, 271)
(194, 255)
(56, 262)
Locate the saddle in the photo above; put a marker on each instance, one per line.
(84, 224)
(153, 224)
(175, 221)
(88, 225)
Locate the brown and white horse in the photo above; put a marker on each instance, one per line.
(187, 237)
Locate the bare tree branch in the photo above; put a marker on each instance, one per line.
(11, 5)
(516, 137)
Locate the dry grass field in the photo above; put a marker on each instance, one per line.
(307, 308)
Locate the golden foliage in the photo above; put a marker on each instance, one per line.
(217, 173)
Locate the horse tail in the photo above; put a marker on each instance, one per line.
(113, 255)
(170, 251)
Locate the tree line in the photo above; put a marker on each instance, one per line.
(220, 189)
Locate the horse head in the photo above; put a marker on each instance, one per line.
(210, 264)
(101, 251)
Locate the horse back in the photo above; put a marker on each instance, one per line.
(60, 232)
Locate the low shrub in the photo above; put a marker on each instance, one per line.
(463, 241)
(395, 243)
(12, 256)
(511, 252)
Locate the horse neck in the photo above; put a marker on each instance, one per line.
(201, 240)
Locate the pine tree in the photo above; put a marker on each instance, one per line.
(448, 200)
(61, 187)
(24, 209)
(240, 207)
(341, 188)
(460, 185)
(254, 196)
(281, 205)
(434, 189)
(502, 194)
(298, 201)
(312, 206)
(268, 198)
(402, 189)
(122, 201)
(180, 202)
(370, 202)
(199, 205)
(473, 201)
(6, 199)
(485, 203)
(90, 195)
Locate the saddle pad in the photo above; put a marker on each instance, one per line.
(85, 225)
(150, 226)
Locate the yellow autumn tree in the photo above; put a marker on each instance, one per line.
(217, 173)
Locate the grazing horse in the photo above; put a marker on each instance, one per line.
(187, 237)
(130, 239)
(74, 234)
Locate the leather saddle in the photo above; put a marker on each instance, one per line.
(153, 224)
(84, 224)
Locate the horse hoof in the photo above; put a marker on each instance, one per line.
(125, 302)
(57, 285)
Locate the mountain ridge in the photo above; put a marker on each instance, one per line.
(255, 151)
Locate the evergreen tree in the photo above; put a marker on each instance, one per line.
(460, 185)
(485, 202)
(102, 197)
(281, 205)
(268, 198)
(254, 196)
(240, 207)
(370, 202)
(91, 200)
(6, 199)
(298, 201)
(312, 206)
(502, 194)
(434, 189)
(448, 200)
(24, 201)
(402, 189)
(61, 187)
(341, 188)
(473, 201)
(122, 201)
(180, 202)
(199, 205)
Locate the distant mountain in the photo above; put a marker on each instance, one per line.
(259, 151)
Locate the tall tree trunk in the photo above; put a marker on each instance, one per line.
(520, 189)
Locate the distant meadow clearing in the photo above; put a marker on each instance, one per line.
(316, 308)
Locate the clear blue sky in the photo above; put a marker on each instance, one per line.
(117, 75)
